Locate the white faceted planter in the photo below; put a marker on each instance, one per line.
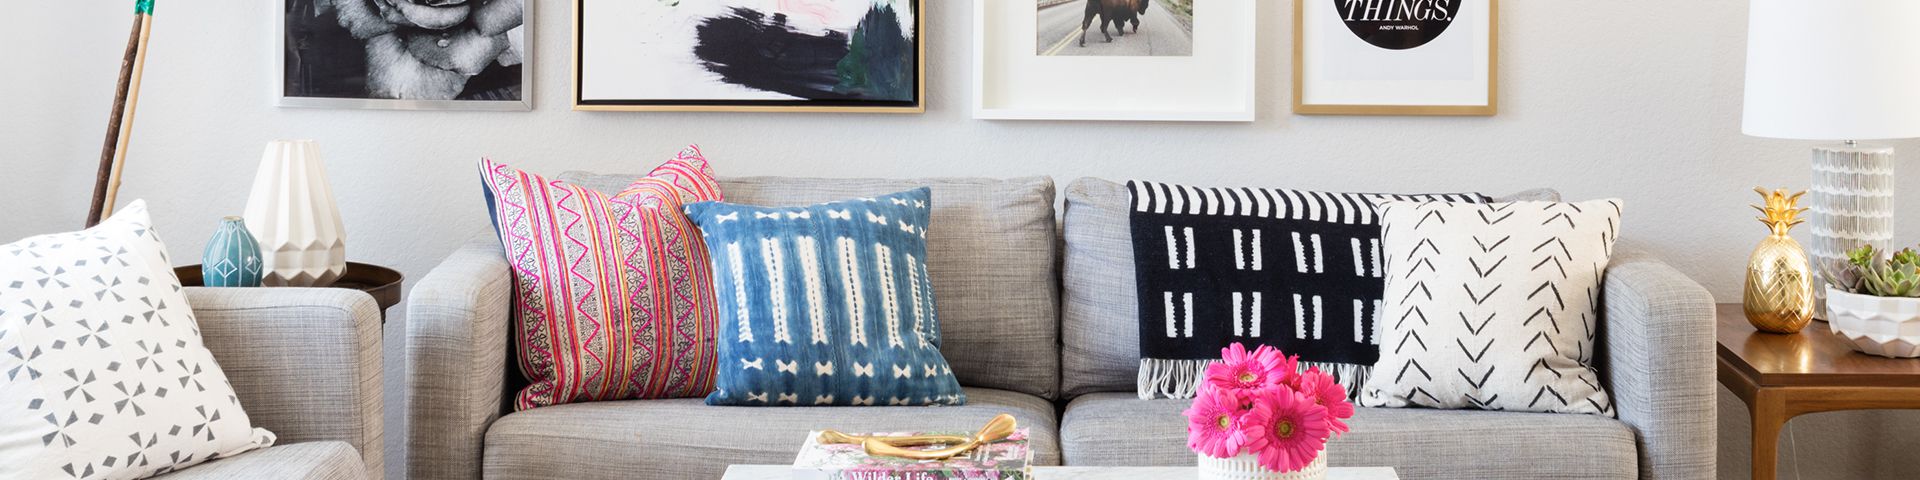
(1247, 467)
(291, 212)
(1884, 326)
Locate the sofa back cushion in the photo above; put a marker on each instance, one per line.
(990, 254)
(1100, 328)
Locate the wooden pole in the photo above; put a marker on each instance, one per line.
(113, 155)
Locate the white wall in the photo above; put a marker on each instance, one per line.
(1637, 99)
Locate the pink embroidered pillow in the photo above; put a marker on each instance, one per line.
(613, 294)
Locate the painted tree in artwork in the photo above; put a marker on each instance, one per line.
(879, 62)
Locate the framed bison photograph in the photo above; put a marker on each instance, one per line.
(749, 55)
(1123, 28)
(407, 54)
(1385, 57)
(1122, 60)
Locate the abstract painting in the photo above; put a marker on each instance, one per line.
(406, 54)
(748, 55)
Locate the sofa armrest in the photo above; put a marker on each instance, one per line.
(457, 333)
(305, 362)
(1659, 352)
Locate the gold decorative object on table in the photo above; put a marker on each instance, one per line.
(996, 430)
(1779, 293)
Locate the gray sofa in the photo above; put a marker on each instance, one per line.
(1033, 312)
(305, 363)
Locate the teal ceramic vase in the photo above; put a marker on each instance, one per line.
(232, 258)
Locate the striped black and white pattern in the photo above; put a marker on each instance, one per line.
(1343, 208)
(1298, 270)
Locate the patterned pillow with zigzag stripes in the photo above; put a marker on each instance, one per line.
(612, 296)
(826, 305)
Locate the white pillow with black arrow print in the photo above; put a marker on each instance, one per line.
(1493, 306)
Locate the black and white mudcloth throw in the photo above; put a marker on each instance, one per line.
(1297, 270)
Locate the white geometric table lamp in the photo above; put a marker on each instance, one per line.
(1837, 70)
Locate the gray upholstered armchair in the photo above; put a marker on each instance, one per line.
(306, 365)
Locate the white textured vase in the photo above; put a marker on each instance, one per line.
(1884, 326)
(291, 212)
(1850, 204)
(1247, 467)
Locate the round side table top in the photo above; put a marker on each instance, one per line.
(381, 282)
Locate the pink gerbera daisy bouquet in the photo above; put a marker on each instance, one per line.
(1256, 407)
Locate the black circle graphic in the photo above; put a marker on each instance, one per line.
(1397, 24)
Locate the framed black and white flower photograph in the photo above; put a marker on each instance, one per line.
(1391, 57)
(407, 54)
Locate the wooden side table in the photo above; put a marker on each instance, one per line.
(1785, 376)
(380, 282)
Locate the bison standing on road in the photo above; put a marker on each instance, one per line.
(1113, 12)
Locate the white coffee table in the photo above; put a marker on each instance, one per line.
(785, 472)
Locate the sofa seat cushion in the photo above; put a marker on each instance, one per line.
(300, 461)
(685, 438)
(1119, 429)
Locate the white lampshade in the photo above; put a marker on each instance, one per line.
(1833, 69)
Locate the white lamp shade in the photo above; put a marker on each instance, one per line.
(1833, 69)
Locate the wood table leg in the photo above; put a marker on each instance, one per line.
(1769, 415)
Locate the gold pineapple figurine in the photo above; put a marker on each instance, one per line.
(1779, 293)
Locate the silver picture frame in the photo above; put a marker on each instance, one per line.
(524, 104)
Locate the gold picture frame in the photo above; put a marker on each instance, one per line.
(918, 104)
(1493, 78)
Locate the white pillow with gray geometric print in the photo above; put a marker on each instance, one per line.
(1493, 306)
(105, 373)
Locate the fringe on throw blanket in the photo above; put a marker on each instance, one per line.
(1165, 378)
(1180, 379)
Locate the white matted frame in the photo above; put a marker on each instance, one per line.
(1470, 88)
(1215, 84)
(525, 104)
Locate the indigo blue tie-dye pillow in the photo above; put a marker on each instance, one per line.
(826, 305)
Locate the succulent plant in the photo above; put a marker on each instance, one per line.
(1883, 276)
